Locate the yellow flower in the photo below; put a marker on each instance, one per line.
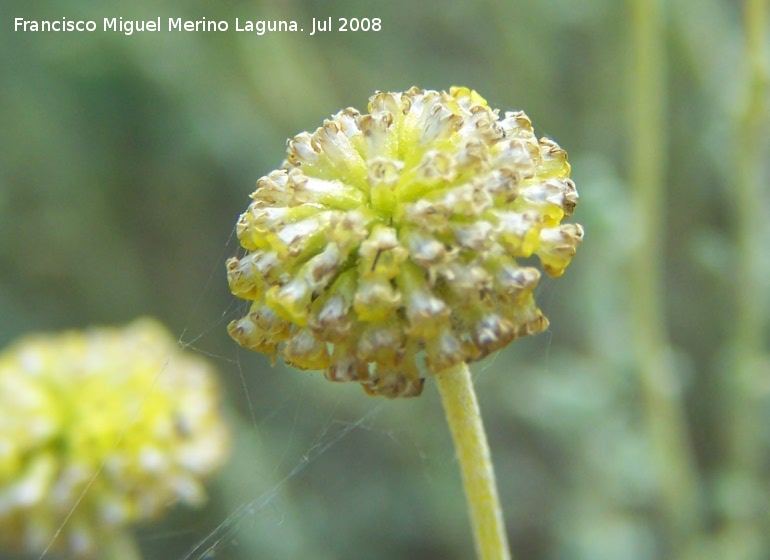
(108, 427)
(392, 238)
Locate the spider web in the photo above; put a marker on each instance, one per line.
(223, 536)
(297, 455)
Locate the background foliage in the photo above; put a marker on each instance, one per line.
(125, 161)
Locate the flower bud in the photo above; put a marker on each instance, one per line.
(391, 239)
(99, 430)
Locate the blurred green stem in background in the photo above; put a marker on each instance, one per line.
(745, 536)
(464, 418)
(660, 390)
(122, 546)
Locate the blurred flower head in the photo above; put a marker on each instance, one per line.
(392, 238)
(102, 428)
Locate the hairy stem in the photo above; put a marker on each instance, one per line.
(464, 418)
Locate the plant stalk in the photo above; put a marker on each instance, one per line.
(464, 417)
(745, 535)
(664, 415)
(121, 545)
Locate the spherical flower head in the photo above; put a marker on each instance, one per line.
(100, 429)
(389, 242)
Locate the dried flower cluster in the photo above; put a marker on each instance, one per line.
(392, 238)
(101, 429)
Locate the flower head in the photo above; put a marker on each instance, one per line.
(392, 237)
(101, 429)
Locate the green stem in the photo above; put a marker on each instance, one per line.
(750, 193)
(744, 536)
(664, 414)
(120, 545)
(464, 417)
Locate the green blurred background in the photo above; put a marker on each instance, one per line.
(126, 160)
